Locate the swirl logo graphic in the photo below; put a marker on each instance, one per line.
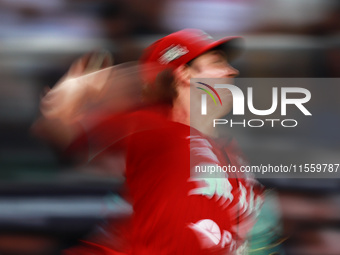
(204, 97)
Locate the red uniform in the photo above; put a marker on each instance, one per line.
(174, 212)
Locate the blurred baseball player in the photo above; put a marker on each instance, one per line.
(174, 212)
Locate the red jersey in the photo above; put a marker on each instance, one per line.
(176, 211)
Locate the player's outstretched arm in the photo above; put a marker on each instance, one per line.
(62, 105)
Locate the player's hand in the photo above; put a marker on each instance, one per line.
(88, 63)
(71, 94)
(61, 104)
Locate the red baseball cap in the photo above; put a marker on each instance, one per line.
(183, 46)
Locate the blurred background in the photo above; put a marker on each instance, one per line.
(46, 204)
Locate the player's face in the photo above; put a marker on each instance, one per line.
(212, 64)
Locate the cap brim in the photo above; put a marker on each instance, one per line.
(233, 47)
